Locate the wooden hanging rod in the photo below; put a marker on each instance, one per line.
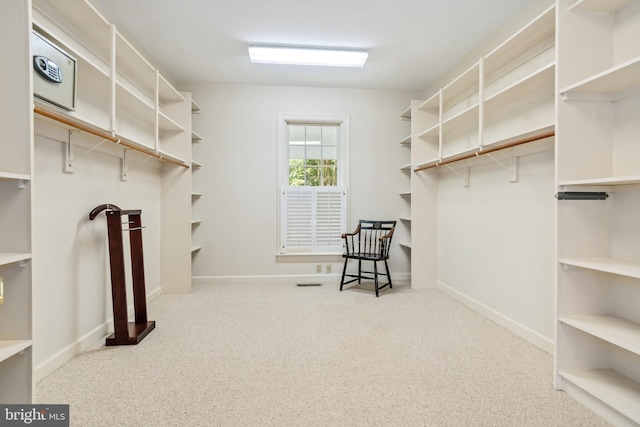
(486, 151)
(103, 135)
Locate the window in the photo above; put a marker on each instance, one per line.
(313, 153)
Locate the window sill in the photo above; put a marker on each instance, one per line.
(310, 257)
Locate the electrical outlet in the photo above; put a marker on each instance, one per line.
(327, 268)
(318, 268)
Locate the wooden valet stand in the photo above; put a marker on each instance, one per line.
(125, 332)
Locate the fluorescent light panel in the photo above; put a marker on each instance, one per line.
(307, 56)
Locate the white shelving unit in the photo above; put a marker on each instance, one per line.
(506, 94)
(16, 163)
(176, 190)
(122, 94)
(119, 94)
(598, 325)
(506, 97)
(195, 223)
(405, 144)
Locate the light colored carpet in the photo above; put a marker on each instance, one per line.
(281, 355)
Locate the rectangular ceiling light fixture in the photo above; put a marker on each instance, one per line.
(308, 56)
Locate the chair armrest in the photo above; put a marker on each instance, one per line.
(388, 235)
(344, 235)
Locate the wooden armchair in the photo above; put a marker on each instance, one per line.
(370, 242)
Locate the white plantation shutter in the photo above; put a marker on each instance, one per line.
(297, 206)
(313, 219)
(330, 222)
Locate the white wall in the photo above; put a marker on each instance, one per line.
(239, 179)
(71, 278)
(496, 240)
(496, 243)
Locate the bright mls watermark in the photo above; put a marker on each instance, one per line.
(34, 415)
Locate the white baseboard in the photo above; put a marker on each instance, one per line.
(522, 331)
(397, 278)
(69, 352)
(83, 343)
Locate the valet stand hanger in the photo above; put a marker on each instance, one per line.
(125, 332)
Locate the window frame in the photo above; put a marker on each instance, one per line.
(344, 129)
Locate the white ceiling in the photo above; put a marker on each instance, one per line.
(410, 42)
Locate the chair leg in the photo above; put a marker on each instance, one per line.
(344, 272)
(375, 275)
(386, 266)
(359, 271)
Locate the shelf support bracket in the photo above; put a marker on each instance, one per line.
(123, 165)
(464, 175)
(512, 168)
(68, 159)
(68, 163)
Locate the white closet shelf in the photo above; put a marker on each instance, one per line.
(195, 108)
(611, 387)
(545, 129)
(536, 32)
(67, 122)
(405, 194)
(462, 120)
(451, 157)
(14, 176)
(10, 258)
(196, 195)
(167, 124)
(620, 332)
(130, 63)
(195, 164)
(406, 114)
(611, 82)
(90, 115)
(609, 181)
(10, 348)
(535, 82)
(606, 265)
(431, 132)
(406, 141)
(196, 221)
(405, 244)
(537, 134)
(164, 155)
(136, 142)
(195, 137)
(432, 104)
(611, 6)
(195, 248)
(466, 83)
(127, 93)
(427, 164)
(406, 168)
(68, 115)
(405, 218)
(167, 94)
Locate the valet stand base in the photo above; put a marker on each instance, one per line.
(137, 332)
